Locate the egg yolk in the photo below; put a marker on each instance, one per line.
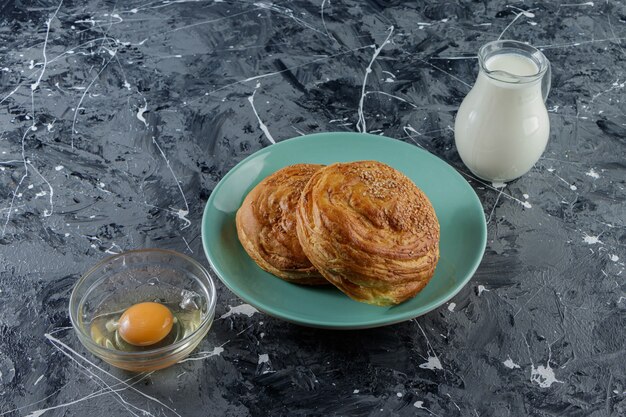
(145, 324)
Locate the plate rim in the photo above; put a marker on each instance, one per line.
(339, 325)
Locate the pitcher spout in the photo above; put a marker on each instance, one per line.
(514, 62)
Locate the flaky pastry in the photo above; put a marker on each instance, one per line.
(369, 230)
(266, 225)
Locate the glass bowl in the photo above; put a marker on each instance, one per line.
(138, 276)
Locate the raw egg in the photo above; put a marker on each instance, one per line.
(145, 324)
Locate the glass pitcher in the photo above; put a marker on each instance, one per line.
(502, 126)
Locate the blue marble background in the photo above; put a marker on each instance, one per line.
(119, 117)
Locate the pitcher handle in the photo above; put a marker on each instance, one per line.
(546, 82)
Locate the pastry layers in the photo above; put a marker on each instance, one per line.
(369, 231)
(266, 225)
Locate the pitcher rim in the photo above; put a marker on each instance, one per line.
(530, 52)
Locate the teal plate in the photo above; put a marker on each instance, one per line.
(460, 214)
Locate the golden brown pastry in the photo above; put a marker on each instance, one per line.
(369, 230)
(266, 225)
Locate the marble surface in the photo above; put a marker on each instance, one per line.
(119, 118)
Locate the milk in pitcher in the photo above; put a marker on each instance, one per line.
(502, 126)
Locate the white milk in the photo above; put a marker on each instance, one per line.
(513, 63)
(502, 126)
